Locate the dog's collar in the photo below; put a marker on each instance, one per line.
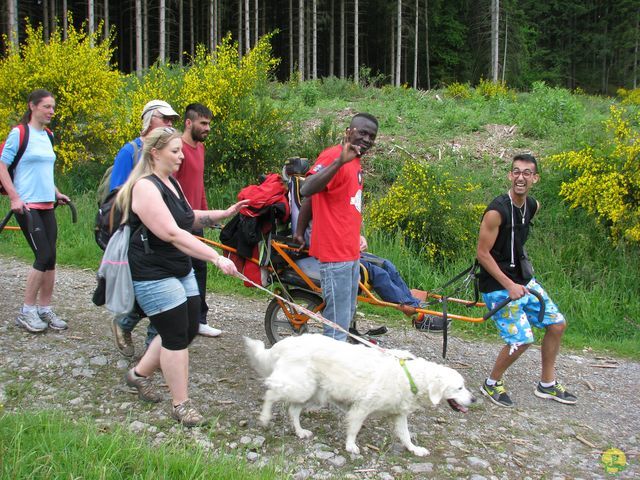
(414, 388)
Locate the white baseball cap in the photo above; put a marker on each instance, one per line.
(162, 107)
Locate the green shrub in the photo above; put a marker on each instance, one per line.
(629, 97)
(248, 130)
(332, 87)
(433, 211)
(489, 89)
(605, 178)
(309, 93)
(311, 141)
(459, 90)
(78, 73)
(547, 109)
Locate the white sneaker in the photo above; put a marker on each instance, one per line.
(53, 320)
(207, 331)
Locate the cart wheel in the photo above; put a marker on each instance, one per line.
(277, 324)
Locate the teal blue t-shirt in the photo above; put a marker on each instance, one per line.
(33, 176)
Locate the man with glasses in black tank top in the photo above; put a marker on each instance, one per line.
(506, 272)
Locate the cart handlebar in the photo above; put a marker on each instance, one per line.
(506, 301)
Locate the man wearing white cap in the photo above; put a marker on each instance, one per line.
(156, 113)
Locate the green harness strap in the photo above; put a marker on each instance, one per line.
(414, 388)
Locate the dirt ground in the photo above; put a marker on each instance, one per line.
(80, 371)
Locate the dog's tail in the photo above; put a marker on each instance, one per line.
(259, 357)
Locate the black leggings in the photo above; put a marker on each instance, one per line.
(43, 238)
(179, 326)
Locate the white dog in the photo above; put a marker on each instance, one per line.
(314, 369)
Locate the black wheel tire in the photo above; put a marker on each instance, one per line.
(276, 323)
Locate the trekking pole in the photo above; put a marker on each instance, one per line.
(5, 220)
(74, 211)
(26, 213)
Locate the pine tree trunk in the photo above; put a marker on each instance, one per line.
(342, 40)
(106, 18)
(256, 19)
(216, 20)
(332, 43)
(635, 51)
(240, 32)
(247, 27)
(212, 25)
(356, 46)
(139, 38)
(13, 23)
(65, 20)
(399, 44)
(291, 38)
(392, 49)
(45, 22)
(180, 31)
(307, 44)
(161, 33)
(314, 70)
(495, 31)
(506, 33)
(145, 34)
(426, 40)
(301, 38)
(415, 48)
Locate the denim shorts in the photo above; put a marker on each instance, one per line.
(157, 296)
(515, 320)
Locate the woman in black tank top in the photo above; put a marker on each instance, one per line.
(160, 261)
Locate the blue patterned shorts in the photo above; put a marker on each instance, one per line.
(514, 321)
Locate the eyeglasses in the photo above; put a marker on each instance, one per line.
(164, 119)
(516, 172)
(161, 140)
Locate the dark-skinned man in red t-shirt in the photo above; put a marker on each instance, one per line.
(334, 184)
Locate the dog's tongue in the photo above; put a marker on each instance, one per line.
(456, 406)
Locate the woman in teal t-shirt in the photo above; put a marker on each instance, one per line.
(33, 189)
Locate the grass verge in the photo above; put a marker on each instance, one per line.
(45, 445)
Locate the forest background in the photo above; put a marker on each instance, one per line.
(589, 44)
(442, 154)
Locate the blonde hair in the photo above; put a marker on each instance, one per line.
(158, 138)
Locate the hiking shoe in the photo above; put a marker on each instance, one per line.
(208, 331)
(429, 323)
(497, 394)
(123, 340)
(146, 390)
(187, 415)
(557, 392)
(53, 320)
(31, 322)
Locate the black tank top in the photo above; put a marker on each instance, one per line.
(164, 260)
(506, 253)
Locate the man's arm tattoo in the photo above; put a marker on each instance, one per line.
(207, 221)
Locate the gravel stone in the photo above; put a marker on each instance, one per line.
(80, 372)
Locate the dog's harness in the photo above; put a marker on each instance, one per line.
(414, 387)
(320, 318)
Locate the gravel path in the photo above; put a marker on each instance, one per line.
(80, 370)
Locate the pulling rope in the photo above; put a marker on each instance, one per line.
(335, 326)
(314, 315)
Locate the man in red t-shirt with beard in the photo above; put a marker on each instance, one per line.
(190, 175)
(334, 184)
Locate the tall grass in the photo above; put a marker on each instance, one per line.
(46, 445)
